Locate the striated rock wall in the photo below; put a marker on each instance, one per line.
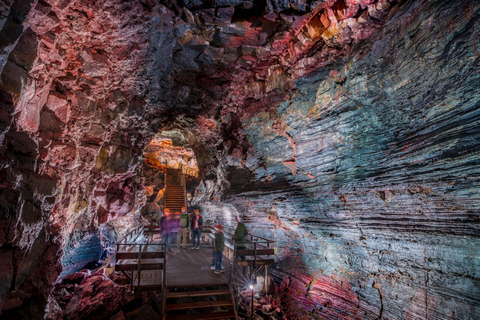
(369, 176)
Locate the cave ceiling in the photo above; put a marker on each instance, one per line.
(195, 59)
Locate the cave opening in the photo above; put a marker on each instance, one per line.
(162, 156)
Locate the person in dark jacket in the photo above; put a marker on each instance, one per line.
(195, 226)
(240, 235)
(219, 245)
(239, 238)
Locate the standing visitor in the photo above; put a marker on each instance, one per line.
(218, 247)
(183, 228)
(174, 225)
(196, 225)
(239, 237)
(165, 229)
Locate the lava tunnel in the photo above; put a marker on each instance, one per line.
(327, 155)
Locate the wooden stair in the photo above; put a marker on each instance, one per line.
(174, 198)
(207, 304)
(174, 192)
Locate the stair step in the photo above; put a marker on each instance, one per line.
(197, 293)
(198, 304)
(204, 316)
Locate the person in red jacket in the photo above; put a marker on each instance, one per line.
(195, 226)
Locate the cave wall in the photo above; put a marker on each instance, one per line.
(70, 138)
(369, 175)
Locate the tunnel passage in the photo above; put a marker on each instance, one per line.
(345, 130)
(167, 165)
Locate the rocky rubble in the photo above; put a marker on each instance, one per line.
(87, 295)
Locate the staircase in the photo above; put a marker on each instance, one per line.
(174, 198)
(200, 303)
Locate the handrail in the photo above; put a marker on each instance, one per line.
(256, 262)
(255, 243)
(132, 232)
(139, 249)
(230, 230)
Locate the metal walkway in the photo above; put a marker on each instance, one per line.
(187, 274)
(190, 267)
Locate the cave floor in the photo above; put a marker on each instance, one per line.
(191, 268)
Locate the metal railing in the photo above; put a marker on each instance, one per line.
(134, 233)
(254, 255)
(134, 257)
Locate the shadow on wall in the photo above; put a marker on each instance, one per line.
(88, 249)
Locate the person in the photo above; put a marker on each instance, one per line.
(183, 228)
(195, 226)
(174, 225)
(239, 236)
(219, 245)
(165, 229)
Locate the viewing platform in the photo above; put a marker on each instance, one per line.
(183, 281)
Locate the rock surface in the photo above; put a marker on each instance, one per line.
(370, 175)
(87, 295)
(345, 129)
